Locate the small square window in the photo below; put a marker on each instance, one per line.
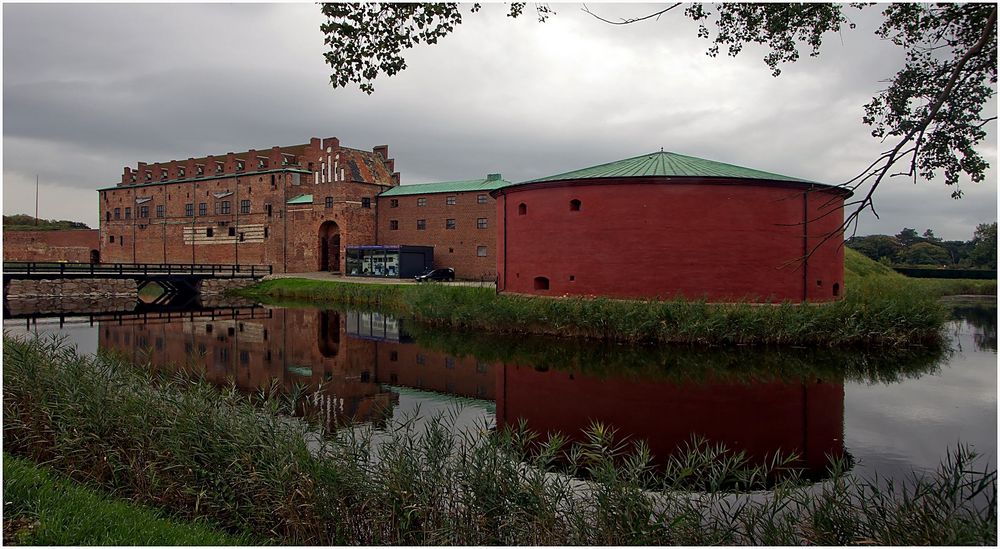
(393, 203)
(481, 199)
(232, 231)
(451, 200)
(393, 225)
(481, 223)
(449, 223)
(209, 231)
(328, 202)
(111, 239)
(421, 224)
(366, 202)
(481, 251)
(421, 202)
(421, 359)
(449, 363)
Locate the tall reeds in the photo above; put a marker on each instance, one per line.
(177, 443)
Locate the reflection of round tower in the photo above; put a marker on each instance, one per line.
(667, 225)
(759, 418)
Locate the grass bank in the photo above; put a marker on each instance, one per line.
(41, 507)
(880, 309)
(182, 445)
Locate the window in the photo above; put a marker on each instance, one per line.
(209, 231)
(481, 199)
(107, 216)
(449, 363)
(121, 240)
(328, 202)
(240, 165)
(118, 213)
(522, 209)
(393, 225)
(265, 232)
(393, 356)
(421, 224)
(421, 202)
(143, 212)
(244, 206)
(200, 169)
(421, 359)
(189, 209)
(224, 207)
(366, 202)
(128, 213)
(202, 208)
(159, 210)
(574, 205)
(393, 203)
(149, 176)
(481, 223)
(180, 172)
(232, 231)
(541, 283)
(163, 174)
(449, 223)
(450, 201)
(481, 251)
(111, 239)
(219, 167)
(261, 163)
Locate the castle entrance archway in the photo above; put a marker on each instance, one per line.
(329, 247)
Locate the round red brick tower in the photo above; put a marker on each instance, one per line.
(665, 226)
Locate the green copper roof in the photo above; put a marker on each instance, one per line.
(492, 182)
(667, 164)
(301, 199)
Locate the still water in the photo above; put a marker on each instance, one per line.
(894, 413)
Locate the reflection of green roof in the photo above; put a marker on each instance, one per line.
(667, 164)
(301, 199)
(492, 182)
(304, 371)
(446, 398)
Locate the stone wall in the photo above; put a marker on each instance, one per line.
(37, 305)
(216, 286)
(96, 287)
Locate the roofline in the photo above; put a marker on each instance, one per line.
(452, 191)
(671, 179)
(194, 179)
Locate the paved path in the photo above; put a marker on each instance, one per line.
(325, 275)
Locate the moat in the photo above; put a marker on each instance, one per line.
(891, 413)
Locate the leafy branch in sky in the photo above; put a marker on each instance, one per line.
(930, 114)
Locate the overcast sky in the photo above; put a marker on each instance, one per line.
(88, 89)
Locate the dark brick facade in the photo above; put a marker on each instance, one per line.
(77, 246)
(235, 208)
(468, 246)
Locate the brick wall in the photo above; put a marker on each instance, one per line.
(457, 248)
(72, 246)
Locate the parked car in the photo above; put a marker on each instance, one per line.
(444, 273)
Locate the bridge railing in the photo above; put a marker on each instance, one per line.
(122, 269)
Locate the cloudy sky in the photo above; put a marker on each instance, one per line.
(88, 89)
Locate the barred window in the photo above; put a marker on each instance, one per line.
(481, 223)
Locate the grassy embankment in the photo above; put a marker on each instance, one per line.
(41, 507)
(180, 445)
(880, 309)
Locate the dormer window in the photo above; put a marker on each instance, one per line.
(219, 167)
(199, 169)
(149, 176)
(163, 174)
(240, 165)
(287, 159)
(133, 178)
(261, 163)
(180, 172)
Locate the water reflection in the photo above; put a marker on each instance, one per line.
(365, 367)
(982, 319)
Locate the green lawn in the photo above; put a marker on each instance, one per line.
(42, 507)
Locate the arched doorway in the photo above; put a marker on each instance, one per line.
(95, 256)
(329, 247)
(329, 334)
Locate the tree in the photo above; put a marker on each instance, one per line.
(984, 246)
(931, 113)
(908, 237)
(925, 253)
(876, 246)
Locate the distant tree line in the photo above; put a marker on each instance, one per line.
(24, 222)
(911, 248)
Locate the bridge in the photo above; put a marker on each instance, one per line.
(178, 280)
(145, 313)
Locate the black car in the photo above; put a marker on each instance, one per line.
(444, 273)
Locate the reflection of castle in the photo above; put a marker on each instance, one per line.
(759, 418)
(345, 359)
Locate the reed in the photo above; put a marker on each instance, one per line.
(184, 446)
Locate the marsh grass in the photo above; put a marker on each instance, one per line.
(181, 445)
